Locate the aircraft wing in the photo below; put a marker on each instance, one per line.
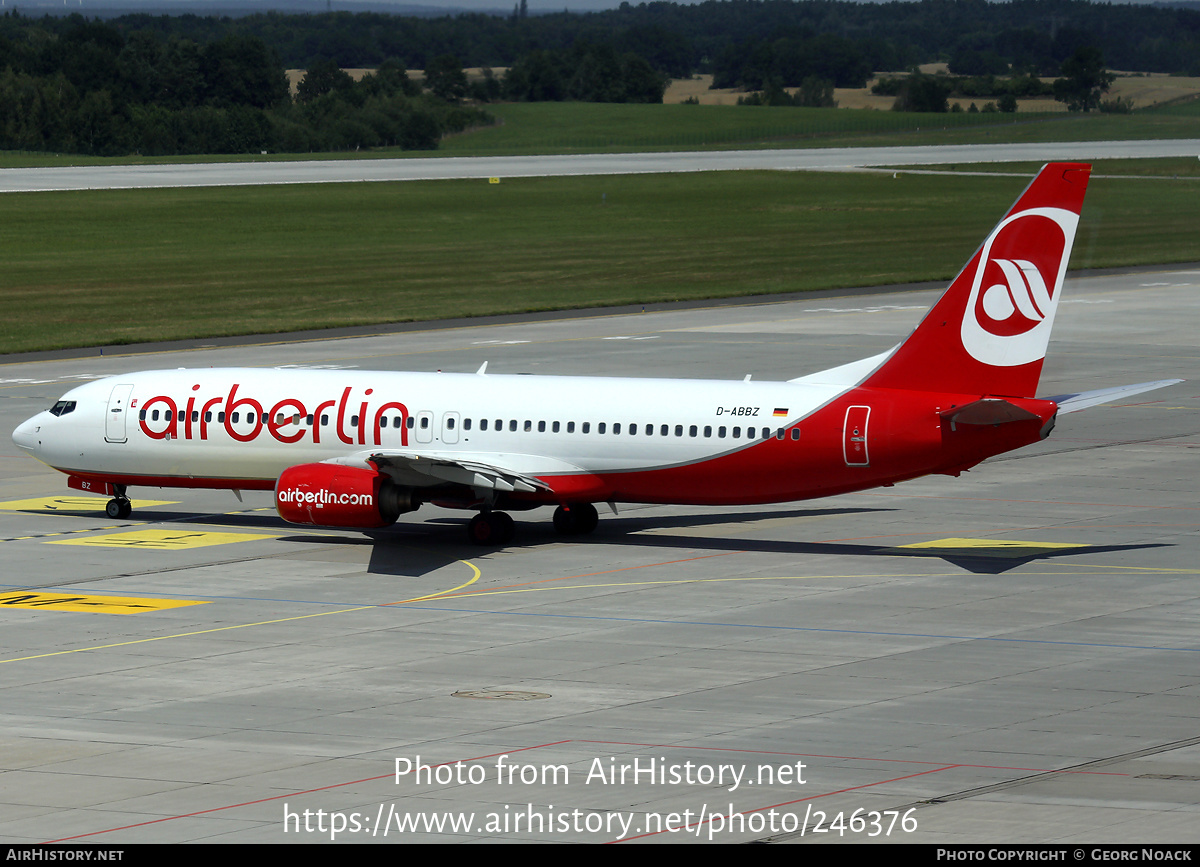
(425, 470)
(1084, 399)
(482, 471)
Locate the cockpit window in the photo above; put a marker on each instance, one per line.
(63, 407)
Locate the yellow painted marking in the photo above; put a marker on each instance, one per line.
(162, 539)
(90, 603)
(69, 503)
(1003, 544)
(493, 180)
(475, 575)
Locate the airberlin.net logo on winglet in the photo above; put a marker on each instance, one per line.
(1016, 287)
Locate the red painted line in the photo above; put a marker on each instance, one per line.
(799, 801)
(875, 759)
(288, 795)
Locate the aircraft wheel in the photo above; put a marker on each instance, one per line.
(113, 508)
(575, 519)
(503, 524)
(490, 528)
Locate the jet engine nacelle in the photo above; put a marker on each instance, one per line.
(332, 495)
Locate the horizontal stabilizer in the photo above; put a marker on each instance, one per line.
(988, 411)
(1084, 399)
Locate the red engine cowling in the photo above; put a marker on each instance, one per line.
(331, 495)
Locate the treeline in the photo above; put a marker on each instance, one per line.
(976, 36)
(786, 62)
(972, 86)
(585, 73)
(92, 90)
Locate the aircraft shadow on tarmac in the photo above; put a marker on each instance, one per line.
(416, 548)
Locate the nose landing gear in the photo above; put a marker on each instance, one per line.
(119, 506)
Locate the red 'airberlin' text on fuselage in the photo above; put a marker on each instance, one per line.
(286, 421)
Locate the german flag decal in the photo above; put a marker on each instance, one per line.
(780, 412)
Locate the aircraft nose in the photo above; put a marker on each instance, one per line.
(26, 435)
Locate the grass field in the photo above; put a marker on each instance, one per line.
(1165, 167)
(110, 267)
(594, 128)
(575, 127)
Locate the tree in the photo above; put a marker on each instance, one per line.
(444, 76)
(1084, 79)
(321, 78)
(923, 93)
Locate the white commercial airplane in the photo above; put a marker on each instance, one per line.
(357, 449)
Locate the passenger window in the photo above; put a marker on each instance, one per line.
(737, 433)
(466, 424)
(483, 424)
(141, 415)
(587, 427)
(664, 430)
(541, 427)
(396, 422)
(721, 432)
(308, 419)
(616, 427)
(325, 420)
(154, 416)
(208, 416)
(220, 418)
(554, 428)
(678, 430)
(233, 418)
(600, 428)
(570, 427)
(195, 415)
(795, 433)
(528, 426)
(450, 423)
(708, 430)
(692, 430)
(424, 422)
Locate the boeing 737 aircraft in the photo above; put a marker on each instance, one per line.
(357, 449)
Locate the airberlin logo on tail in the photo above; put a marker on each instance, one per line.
(1016, 287)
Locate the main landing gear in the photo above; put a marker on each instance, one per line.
(490, 528)
(575, 519)
(119, 506)
(496, 528)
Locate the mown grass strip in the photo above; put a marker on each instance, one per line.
(576, 127)
(111, 267)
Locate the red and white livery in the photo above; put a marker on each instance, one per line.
(357, 449)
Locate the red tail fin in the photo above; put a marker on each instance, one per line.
(988, 332)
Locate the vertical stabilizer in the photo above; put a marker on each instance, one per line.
(988, 332)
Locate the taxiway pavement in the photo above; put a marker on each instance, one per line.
(1009, 656)
(442, 168)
